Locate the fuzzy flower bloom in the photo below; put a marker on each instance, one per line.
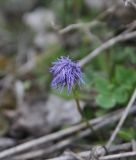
(65, 73)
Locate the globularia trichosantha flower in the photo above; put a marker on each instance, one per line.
(68, 73)
(65, 73)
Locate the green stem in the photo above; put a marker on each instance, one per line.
(82, 115)
(66, 7)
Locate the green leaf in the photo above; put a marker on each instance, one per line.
(130, 52)
(120, 74)
(127, 134)
(102, 85)
(121, 95)
(106, 101)
(125, 77)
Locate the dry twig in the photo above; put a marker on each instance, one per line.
(78, 26)
(106, 45)
(91, 24)
(130, 27)
(131, 3)
(119, 155)
(112, 156)
(123, 118)
(62, 144)
(47, 138)
(42, 152)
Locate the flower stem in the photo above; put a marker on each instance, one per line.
(83, 117)
(81, 113)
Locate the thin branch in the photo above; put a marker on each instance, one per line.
(108, 157)
(133, 145)
(106, 45)
(123, 118)
(55, 147)
(79, 25)
(74, 155)
(41, 152)
(44, 139)
(64, 143)
(130, 3)
(130, 27)
(117, 156)
(44, 152)
(91, 24)
(47, 138)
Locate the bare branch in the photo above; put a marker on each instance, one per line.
(78, 26)
(91, 24)
(117, 156)
(50, 137)
(130, 3)
(123, 118)
(108, 120)
(106, 45)
(109, 157)
(41, 152)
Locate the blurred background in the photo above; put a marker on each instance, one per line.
(32, 35)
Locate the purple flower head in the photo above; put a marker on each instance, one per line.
(65, 73)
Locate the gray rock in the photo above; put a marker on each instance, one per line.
(46, 39)
(6, 143)
(61, 112)
(40, 19)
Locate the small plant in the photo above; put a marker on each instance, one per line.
(117, 90)
(68, 73)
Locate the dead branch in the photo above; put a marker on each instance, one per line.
(91, 24)
(120, 38)
(130, 3)
(130, 27)
(79, 26)
(123, 118)
(41, 152)
(64, 143)
(47, 138)
(86, 154)
(119, 155)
